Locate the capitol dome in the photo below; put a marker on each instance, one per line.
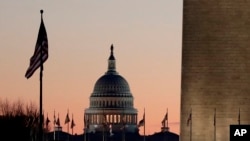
(111, 85)
(111, 103)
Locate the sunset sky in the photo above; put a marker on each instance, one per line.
(147, 38)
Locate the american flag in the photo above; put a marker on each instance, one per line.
(41, 51)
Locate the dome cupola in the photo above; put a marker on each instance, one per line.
(111, 83)
(111, 102)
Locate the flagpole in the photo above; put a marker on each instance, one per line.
(239, 117)
(164, 123)
(144, 125)
(68, 123)
(41, 91)
(42, 50)
(167, 118)
(215, 124)
(189, 123)
(54, 125)
(191, 126)
(58, 125)
(72, 125)
(85, 127)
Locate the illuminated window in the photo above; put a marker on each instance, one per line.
(111, 118)
(118, 118)
(115, 118)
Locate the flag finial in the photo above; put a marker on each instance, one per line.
(111, 48)
(41, 11)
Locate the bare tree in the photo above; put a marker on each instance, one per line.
(19, 119)
(5, 108)
(18, 108)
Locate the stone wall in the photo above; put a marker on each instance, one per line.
(215, 68)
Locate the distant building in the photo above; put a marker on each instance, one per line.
(111, 103)
(58, 128)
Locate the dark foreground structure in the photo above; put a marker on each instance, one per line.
(215, 81)
(161, 136)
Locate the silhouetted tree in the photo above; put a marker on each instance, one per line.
(18, 122)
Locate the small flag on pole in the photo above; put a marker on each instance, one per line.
(58, 121)
(189, 119)
(47, 121)
(164, 119)
(215, 117)
(67, 120)
(142, 122)
(239, 117)
(54, 118)
(40, 53)
(72, 124)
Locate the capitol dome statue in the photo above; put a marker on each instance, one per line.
(111, 103)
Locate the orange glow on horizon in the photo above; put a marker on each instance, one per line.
(147, 48)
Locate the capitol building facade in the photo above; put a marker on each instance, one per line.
(111, 103)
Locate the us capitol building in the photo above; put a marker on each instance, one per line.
(111, 103)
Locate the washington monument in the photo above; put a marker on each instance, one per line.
(215, 79)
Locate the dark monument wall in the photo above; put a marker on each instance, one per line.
(215, 67)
